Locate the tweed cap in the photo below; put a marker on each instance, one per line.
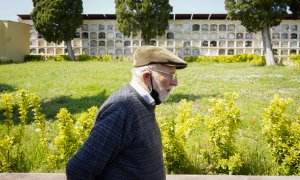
(146, 55)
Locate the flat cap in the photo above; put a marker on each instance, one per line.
(146, 55)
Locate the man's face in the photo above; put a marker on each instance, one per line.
(164, 79)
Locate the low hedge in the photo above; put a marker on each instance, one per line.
(295, 58)
(81, 57)
(251, 58)
(28, 58)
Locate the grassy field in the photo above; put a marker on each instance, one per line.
(80, 85)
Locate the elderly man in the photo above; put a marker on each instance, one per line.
(125, 142)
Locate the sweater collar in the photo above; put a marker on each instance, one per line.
(142, 92)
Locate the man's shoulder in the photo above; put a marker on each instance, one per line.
(122, 96)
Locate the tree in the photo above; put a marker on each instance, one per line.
(294, 7)
(150, 17)
(57, 20)
(259, 15)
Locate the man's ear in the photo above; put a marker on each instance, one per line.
(146, 77)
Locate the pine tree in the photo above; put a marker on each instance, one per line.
(150, 17)
(259, 15)
(57, 20)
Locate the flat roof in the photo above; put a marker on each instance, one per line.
(24, 16)
(171, 16)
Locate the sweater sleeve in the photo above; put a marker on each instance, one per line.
(101, 145)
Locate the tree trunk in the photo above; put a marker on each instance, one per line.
(268, 51)
(70, 50)
(147, 41)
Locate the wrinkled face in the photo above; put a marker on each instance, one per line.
(164, 79)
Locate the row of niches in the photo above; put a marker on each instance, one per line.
(42, 42)
(111, 43)
(171, 35)
(285, 27)
(136, 43)
(224, 27)
(215, 52)
(100, 35)
(183, 52)
(89, 27)
(285, 52)
(77, 51)
(127, 52)
(169, 43)
(230, 35)
(92, 43)
(48, 51)
(172, 27)
(285, 36)
(95, 27)
(292, 44)
(191, 27)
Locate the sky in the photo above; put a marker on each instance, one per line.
(10, 8)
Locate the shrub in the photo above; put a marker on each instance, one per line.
(65, 143)
(13, 147)
(6, 143)
(84, 124)
(28, 58)
(15, 154)
(39, 120)
(224, 59)
(61, 58)
(258, 60)
(127, 58)
(223, 123)
(241, 57)
(295, 58)
(22, 98)
(106, 57)
(252, 58)
(6, 146)
(191, 59)
(202, 59)
(6, 105)
(122, 58)
(175, 133)
(283, 137)
(86, 57)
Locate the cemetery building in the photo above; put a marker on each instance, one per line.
(187, 35)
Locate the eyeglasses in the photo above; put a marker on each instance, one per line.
(172, 75)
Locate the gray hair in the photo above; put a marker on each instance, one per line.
(138, 71)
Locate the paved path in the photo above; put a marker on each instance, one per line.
(62, 176)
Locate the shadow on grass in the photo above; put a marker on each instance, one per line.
(175, 98)
(74, 106)
(7, 88)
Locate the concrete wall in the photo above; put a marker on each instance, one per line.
(2, 45)
(62, 176)
(14, 40)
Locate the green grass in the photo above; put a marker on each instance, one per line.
(80, 85)
(76, 86)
